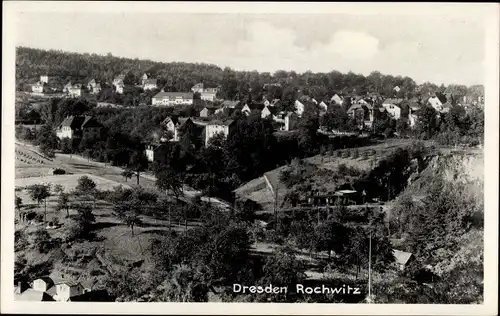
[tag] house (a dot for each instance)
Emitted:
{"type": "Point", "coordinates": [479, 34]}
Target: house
{"type": "Point", "coordinates": [75, 91]}
{"type": "Point", "coordinates": [288, 121]}
{"type": "Point", "coordinates": [230, 104]}
{"type": "Point", "coordinates": [64, 290]}
{"type": "Point", "coordinates": [396, 89]}
{"type": "Point", "coordinates": [299, 107]}
{"type": "Point", "coordinates": [173, 124]}
{"type": "Point", "coordinates": [208, 111]}
{"type": "Point", "coordinates": [91, 84]}
{"type": "Point", "coordinates": [43, 284]}
{"type": "Point", "coordinates": [402, 258]}
{"type": "Point", "coordinates": [207, 94]}
{"type": "Point", "coordinates": [119, 80]}
{"type": "Point", "coordinates": [44, 78]}
{"type": "Point", "coordinates": [197, 88]}
{"type": "Point", "coordinates": [38, 87]}
{"type": "Point", "coordinates": [268, 111]}
{"type": "Point", "coordinates": [252, 107]}
{"type": "Point", "coordinates": [215, 127]}
{"type": "Point", "coordinates": [97, 88]}
{"type": "Point", "coordinates": [413, 109]}
{"type": "Point", "coordinates": [392, 106]}
{"type": "Point", "coordinates": [79, 126]}
{"type": "Point", "coordinates": [119, 87]}
{"type": "Point", "coordinates": [435, 102]}
{"type": "Point", "coordinates": [172, 98]}
{"type": "Point", "coordinates": [46, 289]}
{"type": "Point", "coordinates": [156, 152]}
{"type": "Point", "coordinates": [323, 106]}
{"type": "Point", "coordinates": [445, 108]}
{"type": "Point", "coordinates": [67, 87]}
{"type": "Point", "coordinates": [149, 84]}
{"type": "Point", "coordinates": [31, 295]}
{"type": "Point", "coordinates": [337, 99]}
{"type": "Point", "coordinates": [144, 78]}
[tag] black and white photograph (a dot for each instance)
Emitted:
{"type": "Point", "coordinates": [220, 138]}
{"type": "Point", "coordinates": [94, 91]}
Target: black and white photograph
{"type": "Point", "coordinates": [247, 153]}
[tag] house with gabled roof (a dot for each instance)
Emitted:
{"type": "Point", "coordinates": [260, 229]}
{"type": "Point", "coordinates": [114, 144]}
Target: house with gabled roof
{"type": "Point", "coordinates": [156, 152]}
{"type": "Point", "coordinates": [79, 126]}
{"type": "Point", "coordinates": [268, 111]}
{"type": "Point", "coordinates": [299, 107]}
{"type": "Point", "coordinates": [402, 258]}
{"type": "Point", "coordinates": [337, 99]}
{"type": "Point", "coordinates": [208, 110]}
{"type": "Point", "coordinates": [393, 107]}
{"type": "Point", "coordinates": [214, 127]}
{"type": "Point", "coordinates": [38, 88]}
{"type": "Point", "coordinates": [67, 87]}
{"type": "Point", "coordinates": [435, 102]}
{"type": "Point", "coordinates": [252, 107]}
{"type": "Point", "coordinates": [48, 289]}
{"type": "Point", "coordinates": [149, 84]}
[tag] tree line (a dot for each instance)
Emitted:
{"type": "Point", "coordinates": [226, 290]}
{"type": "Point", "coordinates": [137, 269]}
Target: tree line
{"type": "Point", "coordinates": [234, 85]}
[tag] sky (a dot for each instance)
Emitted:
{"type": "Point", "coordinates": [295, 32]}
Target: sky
{"type": "Point", "coordinates": [438, 47]}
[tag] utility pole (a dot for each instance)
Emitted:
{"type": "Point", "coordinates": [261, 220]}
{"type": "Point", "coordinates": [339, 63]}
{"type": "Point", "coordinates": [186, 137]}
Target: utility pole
{"type": "Point", "coordinates": [370, 268]}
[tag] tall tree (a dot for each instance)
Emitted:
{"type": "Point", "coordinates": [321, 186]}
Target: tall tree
{"type": "Point", "coordinates": [40, 192]}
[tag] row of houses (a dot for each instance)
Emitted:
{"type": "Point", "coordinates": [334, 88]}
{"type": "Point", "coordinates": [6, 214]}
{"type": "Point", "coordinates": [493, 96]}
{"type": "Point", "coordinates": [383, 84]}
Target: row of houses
{"type": "Point", "coordinates": [50, 289]}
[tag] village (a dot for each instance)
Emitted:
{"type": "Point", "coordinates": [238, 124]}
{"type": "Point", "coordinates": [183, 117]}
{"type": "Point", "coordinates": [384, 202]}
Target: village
{"type": "Point", "coordinates": [308, 177]}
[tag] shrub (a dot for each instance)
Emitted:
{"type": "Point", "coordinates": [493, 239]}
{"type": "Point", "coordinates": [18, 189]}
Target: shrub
{"type": "Point", "coordinates": [339, 153]}
{"type": "Point", "coordinates": [59, 171]}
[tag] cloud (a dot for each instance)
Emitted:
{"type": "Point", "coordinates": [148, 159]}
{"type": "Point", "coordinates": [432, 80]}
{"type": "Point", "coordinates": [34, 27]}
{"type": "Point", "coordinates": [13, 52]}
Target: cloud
{"type": "Point", "coordinates": [270, 47]}
{"type": "Point", "coordinates": [353, 45]}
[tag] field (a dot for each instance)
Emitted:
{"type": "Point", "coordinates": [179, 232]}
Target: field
{"type": "Point", "coordinates": [114, 246]}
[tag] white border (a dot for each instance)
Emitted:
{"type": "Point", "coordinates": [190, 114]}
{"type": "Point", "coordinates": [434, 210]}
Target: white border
{"type": "Point", "coordinates": [491, 18]}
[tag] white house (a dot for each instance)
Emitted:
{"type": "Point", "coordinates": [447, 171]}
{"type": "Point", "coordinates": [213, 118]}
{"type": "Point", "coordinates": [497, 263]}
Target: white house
{"type": "Point", "coordinates": [44, 78]}
{"type": "Point", "coordinates": [337, 99]}
{"type": "Point", "coordinates": [78, 126]}
{"type": "Point", "coordinates": [144, 78]}
{"type": "Point", "coordinates": [67, 289]}
{"type": "Point", "coordinates": [268, 111]}
{"type": "Point", "coordinates": [323, 106]}
{"type": "Point", "coordinates": [402, 258]}
{"type": "Point", "coordinates": [266, 102]}
{"type": "Point", "coordinates": [67, 87]}
{"type": "Point", "coordinates": [149, 84]}
{"type": "Point", "coordinates": [299, 107]}
{"type": "Point", "coordinates": [75, 91]}
{"type": "Point", "coordinates": [392, 107]}
{"type": "Point", "coordinates": [435, 103]}
{"type": "Point", "coordinates": [397, 89]}
{"type": "Point", "coordinates": [208, 95]}
{"type": "Point", "coordinates": [119, 87]}
{"type": "Point", "coordinates": [287, 120]}
{"type": "Point", "coordinates": [216, 127]}
{"type": "Point", "coordinates": [42, 284]}
{"type": "Point", "coordinates": [38, 87]}
{"type": "Point", "coordinates": [172, 98]}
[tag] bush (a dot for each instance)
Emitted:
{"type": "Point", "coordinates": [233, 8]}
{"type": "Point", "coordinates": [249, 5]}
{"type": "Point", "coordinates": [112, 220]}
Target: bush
{"type": "Point", "coordinates": [339, 153]}
{"type": "Point", "coordinates": [59, 171]}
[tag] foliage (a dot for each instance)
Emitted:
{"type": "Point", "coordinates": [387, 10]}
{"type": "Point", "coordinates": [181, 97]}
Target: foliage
{"type": "Point", "coordinates": [42, 241]}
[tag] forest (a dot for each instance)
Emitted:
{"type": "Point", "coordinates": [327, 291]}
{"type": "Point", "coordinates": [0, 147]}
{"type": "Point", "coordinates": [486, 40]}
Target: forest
{"type": "Point", "coordinates": [234, 85]}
